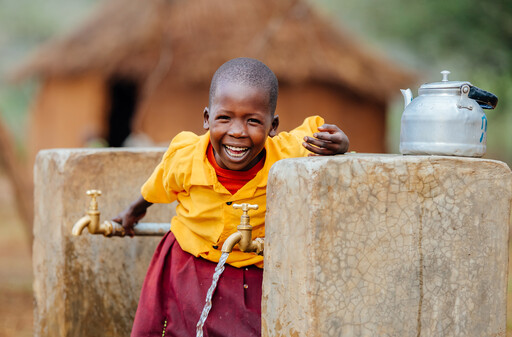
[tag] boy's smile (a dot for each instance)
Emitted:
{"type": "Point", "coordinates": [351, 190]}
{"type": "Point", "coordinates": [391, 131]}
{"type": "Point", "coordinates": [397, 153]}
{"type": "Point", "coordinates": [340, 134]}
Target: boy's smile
{"type": "Point", "coordinates": [239, 120]}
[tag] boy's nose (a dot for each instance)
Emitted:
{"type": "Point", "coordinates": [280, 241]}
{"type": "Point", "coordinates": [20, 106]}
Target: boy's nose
{"type": "Point", "coordinates": [237, 130]}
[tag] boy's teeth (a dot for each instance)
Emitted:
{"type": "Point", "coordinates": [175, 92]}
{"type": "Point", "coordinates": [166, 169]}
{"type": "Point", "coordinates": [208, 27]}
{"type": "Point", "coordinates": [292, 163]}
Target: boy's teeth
{"type": "Point", "coordinates": [234, 148]}
{"type": "Point", "coordinates": [236, 151]}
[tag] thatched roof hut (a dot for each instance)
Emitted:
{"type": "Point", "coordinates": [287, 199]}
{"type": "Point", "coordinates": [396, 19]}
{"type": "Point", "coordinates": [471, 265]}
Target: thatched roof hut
{"type": "Point", "coordinates": [162, 54]}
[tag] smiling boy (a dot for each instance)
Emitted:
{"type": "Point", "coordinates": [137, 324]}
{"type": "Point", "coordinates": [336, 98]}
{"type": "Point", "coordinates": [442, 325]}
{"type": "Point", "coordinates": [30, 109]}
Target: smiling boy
{"type": "Point", "coordinates": [206, 174]}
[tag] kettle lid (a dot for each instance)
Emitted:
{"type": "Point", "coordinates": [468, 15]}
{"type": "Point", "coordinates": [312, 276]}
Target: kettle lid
{"type": "Point", "coordinates": [445, 83]}
{"type": "Point", "coordinates": [485, 99]}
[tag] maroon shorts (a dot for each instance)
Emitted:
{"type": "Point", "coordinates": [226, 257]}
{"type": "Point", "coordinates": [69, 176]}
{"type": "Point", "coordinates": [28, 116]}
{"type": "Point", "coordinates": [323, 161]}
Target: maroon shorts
{"type": "Point", "coordinates": [174, 294]}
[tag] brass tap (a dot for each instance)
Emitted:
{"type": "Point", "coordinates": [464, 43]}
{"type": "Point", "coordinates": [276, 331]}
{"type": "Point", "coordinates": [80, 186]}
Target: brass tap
{"type": "Point", "coordinates": [112, 228]}
{"type": "Point", "coordinates": [244, 234]}
{"type": "Point", "coordinates": [92, 219]}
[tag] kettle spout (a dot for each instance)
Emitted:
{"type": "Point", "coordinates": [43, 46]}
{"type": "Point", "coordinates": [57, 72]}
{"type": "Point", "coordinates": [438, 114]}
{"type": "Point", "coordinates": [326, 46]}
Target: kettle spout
{"type": "Point", "coordinates": [407, 93]}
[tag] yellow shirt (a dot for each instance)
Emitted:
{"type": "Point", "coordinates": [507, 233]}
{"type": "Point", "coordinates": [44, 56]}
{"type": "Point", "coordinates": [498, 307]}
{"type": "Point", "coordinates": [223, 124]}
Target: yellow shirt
{"type": "Point", "coordinates": [204, 215]}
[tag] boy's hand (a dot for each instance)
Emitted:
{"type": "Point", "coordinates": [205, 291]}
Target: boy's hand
{"type": "Point", "coordinates": [131, 215]}
{"type": "Point", "coordinates": [330, 140]}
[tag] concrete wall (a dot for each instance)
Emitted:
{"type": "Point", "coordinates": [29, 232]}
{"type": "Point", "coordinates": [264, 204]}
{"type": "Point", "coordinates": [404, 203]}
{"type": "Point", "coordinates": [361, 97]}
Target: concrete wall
{"type": "Point", "coordinates": [89, 285]}
{"type": "Point", "coordinates": [356, 245]}
{"type": "Point", "coordinates": [386, 245]}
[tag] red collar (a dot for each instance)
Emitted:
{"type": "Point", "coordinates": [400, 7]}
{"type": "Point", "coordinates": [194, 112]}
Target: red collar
{"type": "Point", "coordinates": [233, 180]}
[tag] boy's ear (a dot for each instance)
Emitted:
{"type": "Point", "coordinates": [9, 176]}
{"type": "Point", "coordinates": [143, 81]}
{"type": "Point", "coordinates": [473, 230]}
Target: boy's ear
{"type": "Point", "coordinates": [206, 117]}
{"type": "Point", "coordinates": [273, 128]}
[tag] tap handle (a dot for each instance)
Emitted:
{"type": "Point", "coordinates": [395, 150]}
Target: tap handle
{"type": "Point", "coordinates": [93, 206]}
{"type": "Point", "coordinates": [245, 207]}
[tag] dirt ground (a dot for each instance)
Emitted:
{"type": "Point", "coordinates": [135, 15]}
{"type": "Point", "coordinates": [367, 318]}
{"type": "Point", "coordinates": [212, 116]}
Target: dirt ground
{"type": "Point", "coordinates": [16, 302]}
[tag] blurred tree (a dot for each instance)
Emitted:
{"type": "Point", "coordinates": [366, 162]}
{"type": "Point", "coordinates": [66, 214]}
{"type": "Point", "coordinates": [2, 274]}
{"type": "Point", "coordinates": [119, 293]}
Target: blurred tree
{"type": "Point", "coordinates": [479, 30]}
{"type": "Point", "coordinates": [25, 24]}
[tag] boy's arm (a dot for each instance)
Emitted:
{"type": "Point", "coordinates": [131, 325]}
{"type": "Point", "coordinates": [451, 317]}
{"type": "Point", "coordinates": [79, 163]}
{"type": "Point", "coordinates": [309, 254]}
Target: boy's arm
{"type": "Point", "coordinates": [153, 189]}
{"type": "Point", "coordinates": [132, 214]}
{"type": "Point", "coordinates": [329, 140]}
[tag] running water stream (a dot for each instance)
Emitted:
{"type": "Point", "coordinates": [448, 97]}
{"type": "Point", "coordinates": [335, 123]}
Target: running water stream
{"type": "Point", "coordinates": [208, 305]}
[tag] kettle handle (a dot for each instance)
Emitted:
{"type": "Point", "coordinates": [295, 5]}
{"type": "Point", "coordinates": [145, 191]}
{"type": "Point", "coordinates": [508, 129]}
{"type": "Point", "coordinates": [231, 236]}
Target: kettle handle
{"type": "Point", "coordinates": [485, 99]}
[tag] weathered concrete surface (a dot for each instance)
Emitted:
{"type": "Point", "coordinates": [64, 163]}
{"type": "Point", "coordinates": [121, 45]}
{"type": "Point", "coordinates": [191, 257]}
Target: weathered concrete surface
{"type": "Point", "coordinates": [89, 285]}
{"type": "Point", "coordinates": [386, 245]}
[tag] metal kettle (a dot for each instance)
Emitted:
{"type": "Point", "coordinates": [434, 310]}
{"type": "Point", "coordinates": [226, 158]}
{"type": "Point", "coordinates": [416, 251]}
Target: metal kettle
{"type": "Point", "coordinates": [446, 118]}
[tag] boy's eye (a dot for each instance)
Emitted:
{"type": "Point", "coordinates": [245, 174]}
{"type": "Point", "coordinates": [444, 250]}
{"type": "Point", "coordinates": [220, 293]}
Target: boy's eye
{"type": "Point", "coordinates": [223, 117]}
{"type": "Point", "coordinates": [254, 121]}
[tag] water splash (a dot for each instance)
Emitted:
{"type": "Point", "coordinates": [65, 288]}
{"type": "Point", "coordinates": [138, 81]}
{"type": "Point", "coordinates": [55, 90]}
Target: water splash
{"type": "Point", "coordinates": [208, 305]}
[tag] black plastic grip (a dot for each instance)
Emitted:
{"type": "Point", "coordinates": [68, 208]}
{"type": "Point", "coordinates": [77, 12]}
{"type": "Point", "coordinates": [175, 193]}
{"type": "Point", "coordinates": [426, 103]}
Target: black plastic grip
{"type": "Point", "coordinates": [484, 98]}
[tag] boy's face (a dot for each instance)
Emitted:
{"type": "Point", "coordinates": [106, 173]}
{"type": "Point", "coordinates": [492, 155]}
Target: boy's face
{"type": "Point", "coordinates": [239, 120]}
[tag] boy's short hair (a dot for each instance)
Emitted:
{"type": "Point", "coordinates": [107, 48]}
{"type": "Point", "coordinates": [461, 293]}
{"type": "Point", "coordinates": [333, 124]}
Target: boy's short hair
{"type": "Point", "coordinates": [248, 71]}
